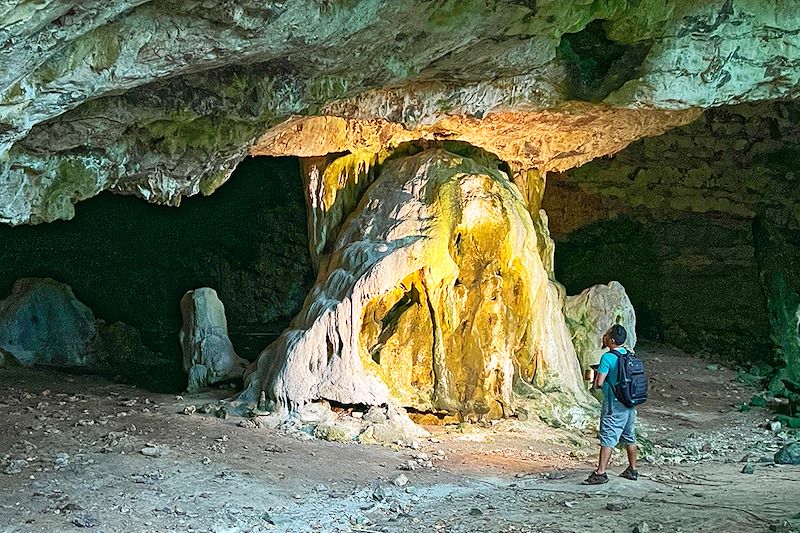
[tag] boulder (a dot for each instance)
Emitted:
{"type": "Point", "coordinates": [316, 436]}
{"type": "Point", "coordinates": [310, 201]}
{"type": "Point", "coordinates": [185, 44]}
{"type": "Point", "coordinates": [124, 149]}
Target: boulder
{"type": "Point", "coordinates": [208, 354]}
{"type": "Point", "coordinates": [41, 322]}
{"type": "Point", "coordinates": [789, 454]}
{"type": "Point", "coordinates": [590, 314]}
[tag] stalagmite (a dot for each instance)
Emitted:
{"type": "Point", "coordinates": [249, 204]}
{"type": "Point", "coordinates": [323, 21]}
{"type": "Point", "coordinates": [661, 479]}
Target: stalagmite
{"type": "Point", "coordinates": [208, 354]}
{"type": "Point", "coordinates": [434, 297]}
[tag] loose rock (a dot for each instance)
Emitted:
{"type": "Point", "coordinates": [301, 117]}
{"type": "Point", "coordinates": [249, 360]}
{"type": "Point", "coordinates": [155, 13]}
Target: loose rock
{"type": "Point", "coordinates": [789, 454]}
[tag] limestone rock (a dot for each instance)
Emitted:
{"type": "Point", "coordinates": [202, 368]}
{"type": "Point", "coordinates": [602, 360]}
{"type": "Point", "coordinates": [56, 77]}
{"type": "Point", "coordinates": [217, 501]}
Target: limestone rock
{"type": "Point", "coordinates": [42, 322]}
{"type": "Point", "coordinates": [162, 99]}
{"type": "Point", "coordinates": [789, 454]}
{"type": "Point", "coordinates": [590, 314]}
{"type": "Point", "coordinates": [208, 354]}
{"type": "Point", "coordinates": [434, 297]}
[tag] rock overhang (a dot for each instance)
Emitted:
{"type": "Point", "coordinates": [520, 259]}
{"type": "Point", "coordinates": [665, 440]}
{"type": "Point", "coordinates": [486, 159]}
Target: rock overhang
{"type": "Point", "coordinates": [162, 100]}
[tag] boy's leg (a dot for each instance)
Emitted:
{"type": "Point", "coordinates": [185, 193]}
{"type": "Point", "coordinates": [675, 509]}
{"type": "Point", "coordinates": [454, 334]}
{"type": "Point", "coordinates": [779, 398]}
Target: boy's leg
{"type": "Point", "coordinates": [632, 449]}
{"type": "Point", "coordinates": [605, 457]}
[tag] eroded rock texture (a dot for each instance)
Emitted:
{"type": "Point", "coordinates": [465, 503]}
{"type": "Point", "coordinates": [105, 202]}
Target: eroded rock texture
{"type": "Point", "coordinates": [434, 296]}
{"type": "Point", "coordinates": [590, 314]}
{"type": "Point", "coordinates": [208, 354]}
{"type": "Point", "coordinates": [162, 99]}
{"type": "Point", "coordinates": [41, 322]}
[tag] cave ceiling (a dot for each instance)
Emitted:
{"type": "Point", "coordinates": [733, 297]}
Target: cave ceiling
{"type": "Point", "coordinates": [162, 99]}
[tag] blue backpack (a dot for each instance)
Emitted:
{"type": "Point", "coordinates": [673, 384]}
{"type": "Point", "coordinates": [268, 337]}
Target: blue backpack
{"type": "Point", "coordinates": [631, 386]}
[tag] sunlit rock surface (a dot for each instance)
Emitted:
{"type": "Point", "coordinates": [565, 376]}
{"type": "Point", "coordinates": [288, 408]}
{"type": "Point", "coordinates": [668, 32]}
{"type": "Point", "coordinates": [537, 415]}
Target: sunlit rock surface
{"type": "Point", "coordinates": [434, 297]}
{"type": "Point", "coordinates": [162, 99]}
{"type": "Point", "coordinates": [590, 314]}
{"type": "Point", "coordinates": [42, 322]}
{"type": "Point", "coordinates": [208, 354]}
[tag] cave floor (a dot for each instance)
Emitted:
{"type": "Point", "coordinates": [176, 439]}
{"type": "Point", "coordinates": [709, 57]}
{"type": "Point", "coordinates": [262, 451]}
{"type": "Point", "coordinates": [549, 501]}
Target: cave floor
{"type": "Point", "coordinates": [72, 457]}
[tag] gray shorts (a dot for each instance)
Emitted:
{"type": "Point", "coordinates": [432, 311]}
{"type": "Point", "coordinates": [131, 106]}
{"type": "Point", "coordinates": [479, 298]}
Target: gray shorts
{"type": "Point", "coordinates": [617, 423]}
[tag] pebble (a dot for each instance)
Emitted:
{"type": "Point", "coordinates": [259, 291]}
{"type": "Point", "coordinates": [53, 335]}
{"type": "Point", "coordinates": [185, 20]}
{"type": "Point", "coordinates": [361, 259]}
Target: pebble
{"type": "Point", "coordinates": [616, 506]}
{"type": "Point", "coordinates": [748, 469]}
{"type": "Point", "coordinates": [409, 465]}
{"type": "Point", "coordinates": [641, 527]}
{"type": "Point", "coordinates": [154, 451]}
{"type": "Point", "coordinates": [85, 520]}
{"type": "Point", "coordinates": [15, 466]}
{"type": "Point", "coordinates": [400, 480]}
{"type": "Point", "coordinates": [61, 460]}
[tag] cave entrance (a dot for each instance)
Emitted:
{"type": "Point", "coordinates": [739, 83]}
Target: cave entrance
{"type": "Point", "coordinates": [131, 261]}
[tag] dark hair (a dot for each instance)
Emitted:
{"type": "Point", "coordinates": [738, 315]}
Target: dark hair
{"type": "Point", "coordinates": [618, 334]}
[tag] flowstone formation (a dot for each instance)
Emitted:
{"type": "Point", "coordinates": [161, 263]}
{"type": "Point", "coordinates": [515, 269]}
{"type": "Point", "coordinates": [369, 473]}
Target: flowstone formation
{"type": "Point", "coordinates": [434, 297]}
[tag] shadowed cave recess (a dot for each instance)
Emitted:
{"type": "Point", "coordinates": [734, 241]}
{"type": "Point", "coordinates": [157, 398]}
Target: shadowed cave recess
{"type": "Point", "coordinates": [131, 262]}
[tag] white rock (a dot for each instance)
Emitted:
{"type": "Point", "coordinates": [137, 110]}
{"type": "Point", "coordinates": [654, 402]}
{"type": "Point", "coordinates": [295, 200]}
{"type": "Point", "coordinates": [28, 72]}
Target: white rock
{"type": "Point", "coordinates": [208, 354]}
{"type": "Point", "coordinates": [400, 480]}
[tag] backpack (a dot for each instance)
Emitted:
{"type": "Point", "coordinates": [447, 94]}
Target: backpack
{"type": "Point", "coordinates": [631, 386]}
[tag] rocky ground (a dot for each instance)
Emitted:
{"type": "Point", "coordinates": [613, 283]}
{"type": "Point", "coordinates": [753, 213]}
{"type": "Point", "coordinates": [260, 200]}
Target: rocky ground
{"type": "Point", "coordinates": [82, 454]}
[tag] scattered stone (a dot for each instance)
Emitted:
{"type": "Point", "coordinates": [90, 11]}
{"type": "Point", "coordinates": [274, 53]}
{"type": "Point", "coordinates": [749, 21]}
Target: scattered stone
{"type": "Point", "coordinates": [475, 512]}
{"type": "Point", "coordinates": [206, 409]}
{"type": "Point", "coordinates": [155, 451]}
{"type": "Point", "coordinates": [415, 445]}
{"type": "Point", "coordinates": [189, 410]}
{"type": "Point", "coordinates": [400, 480]}
{"type": "Point", "coordinates": [332, 433]}
{"type": "Point", "coordinates": [61, 460]}
{"type": "Point", "coordinates": [222, 413]}
{"type": "Point", "coordinates": [15, 466]}
{"type": "Point", "coordinates": [249, 423]}
{"type": "Point", "coordinates": [789, 454]}
{"type": "Point", "coordinates": [379, 494]}
{"type": "Point", "coordinates": [408, 465]}
{"type": "Point", "coordinates": [616, 506]}
{"type": "Point", "coordinates": [775, 426]}
{"type": "Point", "coordinates": [641, 527]}
{"type": "Point", "coordinates": [748, 469]}
{"type": "Point", "coordinates": [85, 520]}
{"type": "Point", "coordinates": [376, 415]}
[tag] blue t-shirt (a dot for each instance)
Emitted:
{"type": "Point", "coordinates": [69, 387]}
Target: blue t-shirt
{"type": "Point", "coordinates": [608, 366]}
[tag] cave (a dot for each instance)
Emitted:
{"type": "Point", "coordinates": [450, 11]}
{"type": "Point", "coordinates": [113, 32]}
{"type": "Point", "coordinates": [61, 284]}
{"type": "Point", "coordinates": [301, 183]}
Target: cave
{"type": "Point", "coordinates": [131, 262]}
{"type": "Point", "coordinates": [375, 266]}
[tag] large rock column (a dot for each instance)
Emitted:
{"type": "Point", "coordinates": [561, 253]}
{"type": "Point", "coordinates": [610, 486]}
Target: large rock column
{"type": "Point", "coordinates": [208, 354]}
{"type": "Point", "coordinates": [434, 297]}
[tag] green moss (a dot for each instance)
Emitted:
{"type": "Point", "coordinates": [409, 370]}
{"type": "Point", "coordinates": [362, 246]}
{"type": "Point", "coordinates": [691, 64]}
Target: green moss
{"type": "Point", "coordinates": [640, 20]}
{"type": "Point", "coordinates": [99, 49]}
{"type": "Point", "coordinates": [11, 94]}
{"type": "Point", "coordinates": [331, 433]}
{"type": "Point", "coordinates": [72, 181]}
{"type": "Point", "coordinates": [184, 130]}
{"type": "Point", "coordinates": [210, 183]}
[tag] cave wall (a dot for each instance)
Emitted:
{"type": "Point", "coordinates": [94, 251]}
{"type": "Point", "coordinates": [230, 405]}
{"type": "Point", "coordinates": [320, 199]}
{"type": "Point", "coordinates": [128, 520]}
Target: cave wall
{"type": "Point", "coordinates": [673, 217]}
{"type": "Point", "coordinates": [131, 261]}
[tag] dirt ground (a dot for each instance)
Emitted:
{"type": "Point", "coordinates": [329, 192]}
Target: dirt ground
{"type": "Point", "coordinates": [82, 454]}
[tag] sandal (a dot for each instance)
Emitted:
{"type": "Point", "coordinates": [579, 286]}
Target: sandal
{"type": "Point", "coordinates": [596, 479]}
{"type": "Point", "coordinates": [630, 473]}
